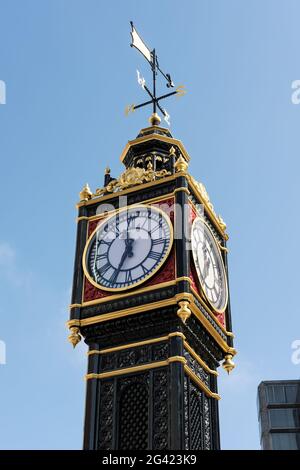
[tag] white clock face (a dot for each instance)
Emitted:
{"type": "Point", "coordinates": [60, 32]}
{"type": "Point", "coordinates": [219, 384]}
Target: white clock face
{"type": "Point", "coordinates": [128, 248]}
{"type": "Point", "coordinates": [209, 265]}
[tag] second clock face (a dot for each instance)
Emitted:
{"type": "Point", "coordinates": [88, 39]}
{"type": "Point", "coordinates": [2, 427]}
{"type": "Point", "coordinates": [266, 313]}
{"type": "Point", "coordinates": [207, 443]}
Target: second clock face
{"type": "Point", "coordinates": [128, 248]}
{"type": "Point", "coordinates": [209, 265]}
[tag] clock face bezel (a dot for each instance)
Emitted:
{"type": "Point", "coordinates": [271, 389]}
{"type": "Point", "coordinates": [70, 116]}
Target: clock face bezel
{"type": "Point", "coordinates": [147, 276]}
{"type": "Point", "coordinates": [220, 261]}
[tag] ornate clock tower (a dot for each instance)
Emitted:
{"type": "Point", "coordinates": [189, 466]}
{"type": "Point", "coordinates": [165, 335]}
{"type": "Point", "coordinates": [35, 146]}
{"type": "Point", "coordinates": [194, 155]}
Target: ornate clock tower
{"type": "Point", "coordinates": [150, 297]}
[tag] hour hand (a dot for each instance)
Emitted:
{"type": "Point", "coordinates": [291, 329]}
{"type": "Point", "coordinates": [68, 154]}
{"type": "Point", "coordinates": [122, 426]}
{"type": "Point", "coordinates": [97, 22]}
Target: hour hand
{"type": "Point", "coordinates": [128, 244]}
{"type": "Point", "coordinates": [127, 252]}
{"type": "Point", "coordinates": [206, 267]}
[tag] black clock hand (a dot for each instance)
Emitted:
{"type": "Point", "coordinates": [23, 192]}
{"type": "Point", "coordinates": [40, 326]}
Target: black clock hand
{"type": "Point", "coordinates": [116, 272]}
{"type": "Point", "coordinates": [205, 270]}
{"type": "Point", "coordinates": [124, 256]}
{"type": "Point", "coordinates": [206, 267]}
{"type": "Point", "coordinates": [129, 243]}
{"type": "Point", "coordinates": [127, 252]}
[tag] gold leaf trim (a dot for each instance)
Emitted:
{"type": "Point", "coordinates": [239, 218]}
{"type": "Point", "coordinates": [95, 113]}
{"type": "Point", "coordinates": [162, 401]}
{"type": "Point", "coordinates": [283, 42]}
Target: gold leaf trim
{"type": "Point", "coordinates": [132, 177]}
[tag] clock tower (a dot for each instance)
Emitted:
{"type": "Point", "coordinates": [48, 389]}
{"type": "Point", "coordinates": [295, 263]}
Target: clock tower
{"type": "Point", "coordinates": [150, 299]}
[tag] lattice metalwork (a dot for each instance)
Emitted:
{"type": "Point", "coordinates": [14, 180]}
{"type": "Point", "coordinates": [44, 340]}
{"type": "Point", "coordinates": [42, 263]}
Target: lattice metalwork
{"type": "Point", "coordinates": [133, 429]}
{"type": "Point", "coordinates": [106, 416]}
{"type": "Point", "coordinates": [186, 414]}
{"type": "Point", "coordinates": [196, 420]}
{"type": "Point", "coordinates": [160, 410]}
{"type": "Point", "coordinates": [207, 423]}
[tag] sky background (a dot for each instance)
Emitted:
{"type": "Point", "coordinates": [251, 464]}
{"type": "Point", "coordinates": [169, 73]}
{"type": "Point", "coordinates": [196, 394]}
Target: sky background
{"type": "Point", "coordinates": [69, 73]}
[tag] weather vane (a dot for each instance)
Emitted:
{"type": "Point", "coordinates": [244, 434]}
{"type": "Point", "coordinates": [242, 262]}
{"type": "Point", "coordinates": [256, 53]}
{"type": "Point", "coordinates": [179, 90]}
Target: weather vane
{"type": "Point", "coordinates": [154, 100]}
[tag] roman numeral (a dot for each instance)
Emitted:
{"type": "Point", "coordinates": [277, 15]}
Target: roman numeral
{"type": "Point", "coordinates": [157, 241]}
{"type": "Point", "coordinates": [154, 255]}
{"type": "Point", "coordinates": [145, 270]}
{"type": "Point", "coordinates": [128, 277]}
{"type": "Point", "coordinates": [143, 224]}
{"type": "Point", "coordinates": [117, 231]}
{"type": "Point", "coordinates": [215, 294]}
{"type": "Point", "coordinates": [104, 242]}
{"type": "Point", "coordinates": [154, 229]}
{"type": "Point", "coordinates": [132, 218]}
{"type": "Point", "coordinates": [102, 270]}
{"type": "Point", "coordinates": [100, 256]}
{"type": "Point", "coordinates": [114, 277]}
{"type": "Point", "coordinates": [196, 236]}
{"type": "Point", "coordinates": [212, 293]}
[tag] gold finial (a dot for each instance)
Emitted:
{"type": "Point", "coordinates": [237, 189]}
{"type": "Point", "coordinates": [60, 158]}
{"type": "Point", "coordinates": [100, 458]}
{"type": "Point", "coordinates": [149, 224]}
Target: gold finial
{"type": "Point", "coordinates": [172, 152]}
{"type": "Point", "coordinates": [181, 165]}
{"type": "Point", "coordinates": [107, 170]}
{"type": "Point", "coordinates": [86, 193]}
{"type": "Point", "coordinates": [154, 119]}
{"type": "Point", "coordinates": [228, 363]}
{"type": "Point", "coordinates": [149, 166]}
{"type": "Point", "coordinates": [74, 338]}
{"type": "Point", "coordinates": [184, 312]}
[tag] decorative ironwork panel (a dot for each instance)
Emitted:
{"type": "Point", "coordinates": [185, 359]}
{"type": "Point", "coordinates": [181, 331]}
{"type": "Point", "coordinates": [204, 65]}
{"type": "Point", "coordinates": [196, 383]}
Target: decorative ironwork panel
{"type": "Point", "coordinates": [133, 411]}
{"type": "Point", "coordinates": [105, 440]}
{"type": "Point", "coordinates": [196, 419]}
{"type": "Point", "coordinates": [160, 352]}
{"type": "Point", "coordinates": [135, 356]}
{"type": "Point", "coordinates": [186, 413]}
{"type": "Point", "coordinates": [160, 410]}
{"type": "Point", "coordinates": [196, 368]}
{"type": "Point", "coordinates": [207, 423]}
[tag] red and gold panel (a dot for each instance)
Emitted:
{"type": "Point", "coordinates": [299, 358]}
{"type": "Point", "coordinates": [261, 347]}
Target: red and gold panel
{"type": "Point", "coordinates": [165, 274]}
{"type": "Point", "coordinates": [221, 317]}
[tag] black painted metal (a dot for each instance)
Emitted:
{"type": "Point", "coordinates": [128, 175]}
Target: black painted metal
{"type": "Point", "coordinates": [171, 398]}
{"type": "Point", "coordinates": [182, 231]}
{"type": "Point", "coordinates": [228, 310]}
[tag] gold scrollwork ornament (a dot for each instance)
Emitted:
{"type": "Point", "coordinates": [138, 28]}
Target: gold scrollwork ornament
{"type": "Point", "coordinates": [132, 177]}
{"type": "Point", "coordinates": [204, 194]}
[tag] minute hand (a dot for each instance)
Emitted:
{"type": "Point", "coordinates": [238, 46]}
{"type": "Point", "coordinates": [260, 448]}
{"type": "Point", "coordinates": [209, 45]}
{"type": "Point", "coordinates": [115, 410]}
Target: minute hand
{"type": "Point", "coordinates": [116, 272]}
{"type": "Point", "coordinates": [124, 256]}
{"type": "Point", "coordinates": [127, 252]}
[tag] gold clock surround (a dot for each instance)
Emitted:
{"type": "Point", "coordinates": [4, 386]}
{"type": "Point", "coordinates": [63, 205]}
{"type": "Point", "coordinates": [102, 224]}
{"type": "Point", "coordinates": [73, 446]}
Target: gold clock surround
{"type": "Point", "coordinates": [223, 268]}
{"type": "Point", "coordinates": [147, 277]}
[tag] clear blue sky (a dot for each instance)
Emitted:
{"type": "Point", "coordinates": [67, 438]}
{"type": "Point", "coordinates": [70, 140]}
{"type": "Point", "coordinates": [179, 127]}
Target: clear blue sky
{"type": "Point", "coordinates": [69, 73]}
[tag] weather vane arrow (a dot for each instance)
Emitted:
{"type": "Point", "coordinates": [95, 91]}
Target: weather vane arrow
{"type": "Point", "coordinates": [154, 100]}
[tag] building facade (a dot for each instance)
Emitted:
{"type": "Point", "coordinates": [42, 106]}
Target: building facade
{"type": "Point", "coordinates": [279, 414]}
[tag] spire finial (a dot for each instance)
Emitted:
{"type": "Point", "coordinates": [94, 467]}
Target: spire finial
{"type": "Point", "coordinates": [86, 193]}
{"type": "Point", "coordinates": [154, 119]}
{"type": "Point", "coordinates": [181, 165]}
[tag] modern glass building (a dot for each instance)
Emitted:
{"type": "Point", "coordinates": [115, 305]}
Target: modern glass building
{"type": "Point", "coordinates": [278, 405]}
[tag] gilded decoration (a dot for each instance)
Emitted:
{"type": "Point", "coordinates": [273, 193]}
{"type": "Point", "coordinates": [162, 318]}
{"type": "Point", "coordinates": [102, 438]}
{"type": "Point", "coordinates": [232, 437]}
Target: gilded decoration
{"type": "Point", "coordinates": [204, 194]}
{"type": "Point", "coordinates": [132, 177]}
